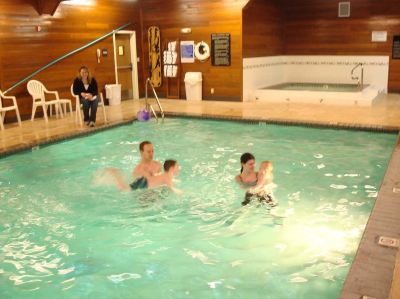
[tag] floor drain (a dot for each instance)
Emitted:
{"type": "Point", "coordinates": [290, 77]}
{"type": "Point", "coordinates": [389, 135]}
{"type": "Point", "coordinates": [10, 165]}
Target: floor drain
{"type": "Point", "coordinates": [389, 242]}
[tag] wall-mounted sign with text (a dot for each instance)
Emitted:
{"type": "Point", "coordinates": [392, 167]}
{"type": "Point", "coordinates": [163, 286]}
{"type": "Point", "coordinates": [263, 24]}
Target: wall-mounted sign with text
{"type": "Point", "coordinates": [187, 51]}
{"type": "Point", "coordinates": [221, 49]}
{"type": "Point", "coordinates": [379, 36]}
{"type": "Point", "coordinates": [396, 47]}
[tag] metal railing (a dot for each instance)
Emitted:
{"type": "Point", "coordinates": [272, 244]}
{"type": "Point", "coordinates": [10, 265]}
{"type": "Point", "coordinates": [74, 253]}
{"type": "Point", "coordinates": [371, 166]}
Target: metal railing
{"type": "Point", "coordinates": [360, 81]}
{"type": "Point", "coordinates": [65, 56]}
{"type": "Point", "coordinates": [148, 105]}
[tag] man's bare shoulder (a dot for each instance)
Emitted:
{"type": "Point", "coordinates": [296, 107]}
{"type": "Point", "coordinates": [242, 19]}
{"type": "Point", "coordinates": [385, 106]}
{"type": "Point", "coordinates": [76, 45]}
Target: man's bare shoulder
{"type": "Point", "coordinates": [155, 162]}
{"type": "Point", "coordinates": [157, 165]}
{"type": "Point", "coordinates": [138, 170]}
{"type": "Point", "coordinates": [138, 167]}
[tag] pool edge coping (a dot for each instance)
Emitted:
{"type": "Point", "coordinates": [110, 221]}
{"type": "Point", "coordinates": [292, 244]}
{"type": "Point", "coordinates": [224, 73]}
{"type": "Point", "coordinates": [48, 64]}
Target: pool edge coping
{"type": "Point", "coordinates": [290, 122]}
{"type": "Point", "coordinates": [23, 147]}
{"type": "Point", "coordinates": [316, 124]}
{"type": "Point", "coordinates": [377, 261]}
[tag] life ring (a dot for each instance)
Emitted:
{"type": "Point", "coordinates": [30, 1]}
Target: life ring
{"type": "Point", "coordinates": [202, 51]}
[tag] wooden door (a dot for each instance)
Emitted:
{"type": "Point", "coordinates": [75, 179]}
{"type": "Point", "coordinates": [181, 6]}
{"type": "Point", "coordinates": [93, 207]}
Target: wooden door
{"type": "Point", "coordinates": [124, 65]}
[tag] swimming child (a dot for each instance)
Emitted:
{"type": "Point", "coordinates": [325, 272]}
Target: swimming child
{"type": "Point", "coordinates": [264, 176]}
{"type": "Point", "coordinates": [262, 191]}
{"type": "Point", "coordinates": [171, 169]}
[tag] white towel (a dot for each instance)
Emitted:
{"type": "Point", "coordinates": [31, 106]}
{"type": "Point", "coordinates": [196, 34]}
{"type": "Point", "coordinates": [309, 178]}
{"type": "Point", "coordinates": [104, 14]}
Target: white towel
{"type": "Point", "coordinates": [170, 71]}
{"type": "Point", "coordinates": [174, 70]}
{"type": "Point", "coordinates": [165, 57]}
{"type": "Point", "coordinates": [172, 46]}
{"type": "Point", "coordinates": [174, 57]}
{"type": "Point", "coordinates": [170, 57]}
{"type": "Point", "coordinates": [165, 70]}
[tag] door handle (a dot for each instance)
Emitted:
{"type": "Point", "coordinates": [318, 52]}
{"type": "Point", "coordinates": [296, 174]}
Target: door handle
{"type": "Point", "coordinates": [125, 67]}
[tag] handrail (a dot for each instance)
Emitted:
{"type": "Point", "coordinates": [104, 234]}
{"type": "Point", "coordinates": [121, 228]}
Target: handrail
{"type": "Point", "coordinates": [154, 113]}
{"type": "Point", "coordinates": [148, 106]}
{"type": "Point", "coordinates": [360, 83]}
{"type": "Point", "coordinates": [65, 56]}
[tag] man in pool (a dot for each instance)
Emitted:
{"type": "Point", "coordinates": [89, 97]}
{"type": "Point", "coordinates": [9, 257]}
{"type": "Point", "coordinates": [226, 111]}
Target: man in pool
{"type": "Point", "coordinates": [147, 167]}
{"type": "Point", "coordinates": [171, 169]}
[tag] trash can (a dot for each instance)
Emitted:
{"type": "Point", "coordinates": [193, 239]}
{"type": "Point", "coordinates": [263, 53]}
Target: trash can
{"type": "Point", "coordinates": [193, 85]}
{"type": "Point", "coordinates": [113, 94]}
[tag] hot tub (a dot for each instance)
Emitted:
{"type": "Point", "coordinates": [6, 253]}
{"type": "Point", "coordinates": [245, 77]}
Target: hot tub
{"type": "Point", "coordinates": [318, 93]}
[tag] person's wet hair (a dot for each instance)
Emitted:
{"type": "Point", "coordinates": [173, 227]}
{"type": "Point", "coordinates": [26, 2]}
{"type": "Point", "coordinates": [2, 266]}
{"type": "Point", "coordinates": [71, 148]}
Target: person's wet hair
{"type": "Point", "coordinates": [245, 158]}
{"type": "Point", "coordinates": [142, 144]}
{"type": "Point", "coordinates": [168, 164]}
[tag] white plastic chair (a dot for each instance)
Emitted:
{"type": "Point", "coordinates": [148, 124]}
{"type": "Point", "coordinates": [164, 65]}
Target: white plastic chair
{"type": "Point", "coordinates": [38, 92]}
{"type": "Point", "coordinates": [79, 107]}
{"type": "Point", "coordinates": [3, 109]}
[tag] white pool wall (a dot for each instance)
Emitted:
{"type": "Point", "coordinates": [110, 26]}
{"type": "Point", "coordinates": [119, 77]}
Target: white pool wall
{"type": "Point", "coordinates": [262, 72]}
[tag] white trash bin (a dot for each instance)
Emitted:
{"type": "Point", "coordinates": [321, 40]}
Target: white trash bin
{"type": "Point", "coordinates": [193, 86]}
{"type": "Point", "coordinates": [113, 94]}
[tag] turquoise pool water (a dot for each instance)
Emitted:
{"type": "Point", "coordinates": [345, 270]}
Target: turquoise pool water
{"type": "Point", "coordinates": [62, 236]}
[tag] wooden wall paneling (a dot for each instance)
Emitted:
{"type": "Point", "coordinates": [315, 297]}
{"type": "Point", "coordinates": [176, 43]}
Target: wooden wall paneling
{"type": "Point", "coordinates": [262, 29]}
{"type": "Point", "coordinates": [204, 18]}
{"type": "Point", "coordinates": [311, 27]}
{"type": "Point", "coordinates": [25, 50]}
{"type": "Point", "coordinates": [394, 75]}
{"type": "Point", "coordinates": [308, 27]}
{"type": "Point", "coordinates": [1, 74]}
{"type": "Point", "coordinates": [47, 6]}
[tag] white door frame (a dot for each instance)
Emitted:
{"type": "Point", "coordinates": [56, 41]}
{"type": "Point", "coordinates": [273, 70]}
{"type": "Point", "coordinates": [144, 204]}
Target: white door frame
{"type": "Point", "coordinates": [135, 84]}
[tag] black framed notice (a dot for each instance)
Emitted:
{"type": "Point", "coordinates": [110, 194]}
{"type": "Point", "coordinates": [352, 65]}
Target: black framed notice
{"type": "Point", "coordinates": [396, 47]}
{"type": "Point", "coordinates": [221, 49]}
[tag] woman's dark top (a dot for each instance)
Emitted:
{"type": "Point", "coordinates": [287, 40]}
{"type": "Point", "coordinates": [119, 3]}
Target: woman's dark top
{"type": "Point", "coordinates": [79, 87]}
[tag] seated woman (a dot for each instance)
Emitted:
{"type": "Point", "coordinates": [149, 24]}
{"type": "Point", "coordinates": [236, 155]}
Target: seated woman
{"type": "Point", "coordinates": [85, 86]}
{"type": "Point", "coordinates": [256, 183]}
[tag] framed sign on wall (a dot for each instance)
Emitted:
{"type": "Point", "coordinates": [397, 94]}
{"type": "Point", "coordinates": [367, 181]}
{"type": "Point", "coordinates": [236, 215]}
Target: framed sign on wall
{"type": "Point", "coordinates": [221, 49]}
{"type": "Point", "coordinates": [396, 47]}
{"type": "Point", "coordinates": [187, 51]}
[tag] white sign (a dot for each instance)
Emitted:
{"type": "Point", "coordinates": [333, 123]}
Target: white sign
{"type": "Point", "coordinates": [379, 36]}
{"type": "Point", "coordinates": [187, 51]}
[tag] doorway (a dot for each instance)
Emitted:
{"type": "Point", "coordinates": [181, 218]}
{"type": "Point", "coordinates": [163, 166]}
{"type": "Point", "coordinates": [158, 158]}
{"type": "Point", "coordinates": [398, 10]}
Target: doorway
{"type": "Point", "coordinates": [125, 61]}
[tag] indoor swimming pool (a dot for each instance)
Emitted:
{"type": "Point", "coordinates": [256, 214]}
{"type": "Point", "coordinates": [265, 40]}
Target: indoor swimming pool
{"type": "Point", "coordinates": [64, 235]}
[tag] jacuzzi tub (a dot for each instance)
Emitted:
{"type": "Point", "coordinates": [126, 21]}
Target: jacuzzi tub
{"type": "Point", "coordinates": [318, 93]}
